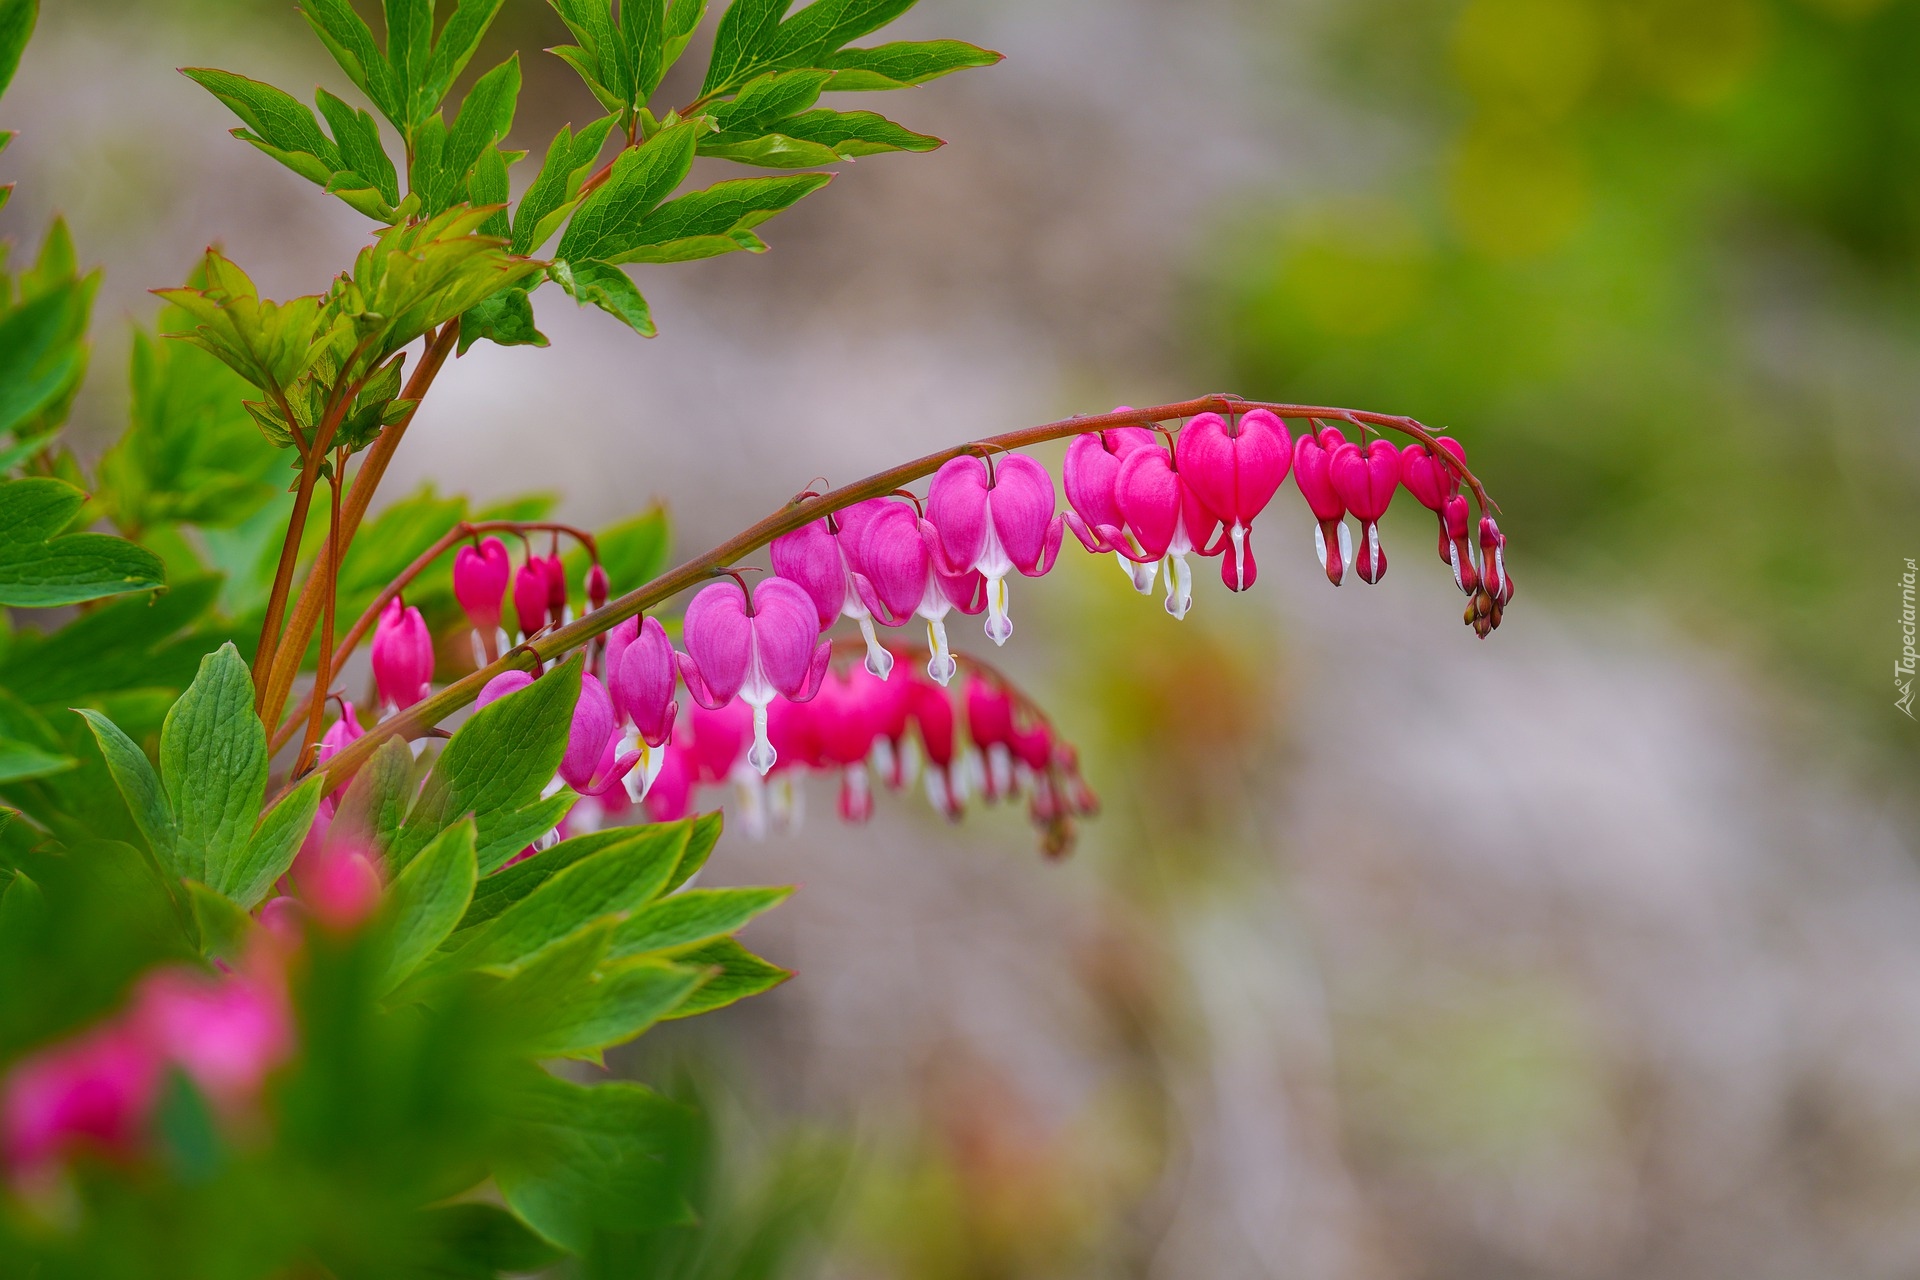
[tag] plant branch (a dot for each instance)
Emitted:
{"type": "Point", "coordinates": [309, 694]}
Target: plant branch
{"type": "Point", "coordinates": [323, 678]}
{"type": "Point", "coordinates": [423, 715]}
{"type": "Point", "coordinates": [373, 466]}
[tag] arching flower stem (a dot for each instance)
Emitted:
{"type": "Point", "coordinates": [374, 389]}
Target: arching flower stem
{"type": "Point", "coordinates": [430, 711]}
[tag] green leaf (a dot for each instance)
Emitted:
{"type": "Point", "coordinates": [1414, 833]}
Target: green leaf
{"type": "Point", "coordinates": [146, 797]}
{"type": "Point", "coordinates": [505, 319]}
{"type": "Point", "coordinates": [700, 844]}
{"type": "Point", "coordinates": [551, 197]}
{"type": "Point", "coordinates": [739, 974]}
{"type": "Point", "coordinates": [269, 344]}
{"type": "Point", "coordinates": [642, 177]}
{"type": "Point", "coordinates": [643, 34]}
{"type": "Point", "coordinates": [606, 1157]}
{"type": "Point", "coordinates": [135, 643]}
{"type": "Point", "coordinates": [507, 886]}
{"type": "Point", "coordinates": [572, 1015]}
{"type": "Point", "coordinates": [426, 902]}
{"type": "Point", "coordinates": [609, 288]}
{"type": "Point", "coordinates": [855, 133]}
{"type": "Point", "coordinates": [773, 96]}
{"type": "Point", "coordinates": [350, 41]}
{"type": "Point", "coordinates": [695, 223]}
{"type": "Point", "coordinates": [485, 116]}
{"type": "Point", "coordinates": [358, 138]}
{"type": "Point", "coordinates": [903, 63]}
{"type": "Point", "coordinates": [480, 1241]}
{"type": "Point", "coordinates": [459, 41]}
{"type": "Point", "coordinates": [16, 24]}
{"type": "Point", "coordinates": [768, 151]}
{"type": "Point", "coordinates": [39, 567]}
{"type": "Point", "coordinates": [213, 760]}
{"type": "Point", "coordinates": [43, 346]}
{"type": "Point", "coordinates": [276, 122]}
{"type": "Point", "coordinates": [503, 835]}
{"type": "Point", "coordinates": [409, 52]}
{"type": "Point", "coordinates": [224, 924]}
{"type": "Point", "coordinates": [691, 916]}
{"type": "Point", "coordinates": [376, 800]}
{"type": "Point", "coordinates": [415, 277]}
{"type": "Point", "coordinates": [271, 850]}
{"type": "Point", "coordinates": [616, 879]}
{"type": "Point", "coordinates": [490, 185]}
{"type": "Point", "coordinates": [498, 762]}
{"type": "Point", "coordinates": [20, 761]}
{"type": "Point", "coordinates": [632, 552]}
{"type": "Point", "coordinates": [746, 31]}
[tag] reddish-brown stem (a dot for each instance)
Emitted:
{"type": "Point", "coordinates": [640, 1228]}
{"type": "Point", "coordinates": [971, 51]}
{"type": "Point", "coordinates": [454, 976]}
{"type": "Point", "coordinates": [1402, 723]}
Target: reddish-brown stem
{"type": "Point", "coordinates": [371, 614]}
{"type": "Point", "coordinates": [323, 677]}
{"type": "Point", "coordinates": [292, 648]}
{"type": "Point", "coordinates": [430, 711]}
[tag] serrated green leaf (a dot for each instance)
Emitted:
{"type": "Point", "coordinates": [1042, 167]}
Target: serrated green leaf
{"type": "Point", "coordinates": [498, 762]}
{"type": "Point", "coordinates": [459, 40]}
{"type": "Point", "coordinates": [739, 974]}
{"type": "Point", "coordinates": [40, 567]}
{"type": "Point", "coordinates": [616, 879]}
{"type": "Point", "coordinates": [426, 902]}
{"type": "Point", "coordinates": [747, 29]}
{"type": "Point", "coordinates": [690, 917]}
{"type": "Point", "coordinates": [694, 225]}
{"type": "Point", "coordinates": [213, 762]}
{"type": "Point", "coordinates": [416, 277]}
{"type": "Point", "coordinates": [357, 136]}
{"type": "Point", "coordinates": [146, 796]}
{"type": "Point", "coordinates": [642, 177]}
{"type": "Point", "coordinates": [552, 195]}
{"type": "Point", "coordinates": [903, 64]}
{"type": "Point", "coordinates": [351, 43]}
{"type": "Point", "coordinates": [587, 1159]}
{"type": "Point", "coordinates": [271, 850]}
{"type": "Point", "coordinates": [609, 288]}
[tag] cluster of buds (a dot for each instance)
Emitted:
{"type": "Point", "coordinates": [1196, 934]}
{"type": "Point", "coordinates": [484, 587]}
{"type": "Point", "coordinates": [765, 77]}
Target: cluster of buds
{"type": "Point", "coordinates": [97, 1092]}
{"type": "Point", "coordinates": [756, 661]}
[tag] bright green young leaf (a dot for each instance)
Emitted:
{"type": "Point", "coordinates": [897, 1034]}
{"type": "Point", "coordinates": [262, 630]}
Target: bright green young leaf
{"type": "Point", "coordinates": [351, 43]}
{"type": "Point", "coordinates": [903, 64]}
{"type": "Point", "coordinates": [690, 917]}
{"type": "Point", "coordinates": [358, 137]}
{"type": "Point", "coordinates": [700, 844]}
{"type": "Point", "coordinates": [504, 834]}
{"type": "Point", "coordinates": [416, 277]}
{"type": "Point", "coordinates": [43, 349]}
{"type": "Point", "coordinates": [704, 223]}
{"type": "Point", "coordinates": [459, 40]}
{"type": "Point", "coordinates": [146, 797]}
{"type": "Point", "coordinates": [213, 761]}
{"type": "Point", "coordinates": [734, 974]}
{"type": "Point", "coordinates": [551, 197]}
{"type": "Point", "coordinates": [16, 25]}
{"type": "Point", "coordinates": [427, 901]}
{"type": "Point", "coordinates": [485, 116]}
{"type": "Point", "coordinates": [642, 177]}
{"type": "Point", "coordinates": [40, 567]}
{"type": "Point", "coordinates": [498, 762]}
{"type": "Point", "coordinates": [601, 1158]}
{"type": "Point", "coordinates": [269, 344]}
{"type": "Point", "coordinates": [271, 850]}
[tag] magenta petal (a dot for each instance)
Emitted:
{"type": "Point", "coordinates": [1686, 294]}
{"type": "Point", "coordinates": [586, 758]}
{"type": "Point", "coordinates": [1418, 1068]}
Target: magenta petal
{"type": "Point", "coordinates": [1235, 476]}
{"type": "Point", "coordinates": [1088, 475]}
{"type": "Point", "coordinates": [1310, 463]}
{"type": "Point", "coordinates": [622, 635]}
{"type": "Point", "coordinates": [643, 683]}
{"type": "Point", "coordinates": [719, 637]}
{"type": "Point", "coordinates": [590, 734]}
{"type": "Point", "coordinates": [480, 582]}
{"type": "Point", "coordinates": [893, 557]}
{"type": "Point", "coordinates": [785, 629]}
{"type": "Point", "coordinates": [957, 509]}
{"type": "Point", "coordinates": [530, 596]}
{"type": "Point", "coordinates": [809, 557]}
{"type": "Point", "coordinates": [1148, 494]}
{"type": "Point", "coordinates": [500, 686]}
{"type": "Point", "coordinates": [1022, 505]}
{"type": "Point", "coordinates": [1365, 479]}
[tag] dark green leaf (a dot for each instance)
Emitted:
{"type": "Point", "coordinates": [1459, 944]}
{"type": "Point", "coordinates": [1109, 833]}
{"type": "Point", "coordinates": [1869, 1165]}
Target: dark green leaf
{"type": "Point", "coordinates": [642, 177]}
{"type": "Point", "coordinates": [39, 567]}
{"type": "Point", "coordinates": [551, 197]}
{"type": "Point", "coordinates": [746, 31]}
{"type": "Point", "coordinates": [579, 1016]}
{"type": "Point", "coordinates": [224, 924]}
{"type": "Point", "coordinates": [409, 52]}
{"type": "Point", "coordinates": [42, 350]}
{"type": "Point", "coordinates": [605, 1157]}
{"type": "Point", "coordinates": [481, 1241]}
{"type": "Point", "coordinates": [485, 116]}
{"type": "Point", "coordinates": [213, 761]}
{"type": "Point", "coordinates": [609, 288]}
{"type": "Point", "coordinates": [740, 974]}
{"type": "Point", "coordinates": [505, 835]}
{"type": "Point", "coordinates": [855, 133]}
{"type": "Point", "coordinates": [691, 916]}
{"type": "Point", "coordinates": [704, 223]}
{"type": "Point", "coordinates": [146, 797]}
{"type": "Point", "coordinates": [127, 644]}
{"type": "Point", "coordinates": [358, 138]}
{"type": "Point", "coordinates": [16, 24]}
{"type": "Point", "coordinates": [276, 122]}
{"type": "Point", "coordinates": [903, 63]}
{"type": "Point", "coordinates": [270, 852]}
{"type": "Point", "coordinates": [770, 97]}
{"type": "Point", "coordinates": [505, 319]}
{"type": "Point", "coordinates": [643, 33]}
{"type": "Point", "coordinates": [351, 43]}
{"type": "Point", "coordinates": [427, 900]}
{"type": "Point", "coordinates": [459, 40]}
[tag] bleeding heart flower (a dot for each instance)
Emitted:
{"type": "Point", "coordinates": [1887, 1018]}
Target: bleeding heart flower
{"type": "Point", "coordinates": [990, 725]}
{"type": "Point", "coordinates": [1431, 482]}
{"type": "Point", "coordinates": [1312, 458]}
{"type": "Point", "coordinates": [1165, 516]}
{"type": "Point", "coordinates": [822, 559]}
{"type": "Point", "coordinates": [993, 521]}
{"type": "Point", "coordinates": [226, 1033]}
{"type": "Point", "coordinates": [755, 647]}
{"type": "Point", "coordinates": [1366, 481]}
{"type": "Point", "coordinates": [888, 705]}
{"type": "Point", "coordinates": [902, 579]}
{"type": "Point", "coordinates": [640, 676]}
{"type": "Point", "coordinates": [340, 885]}
{"type": "Point", "coordinates": [671, 795]}
{"type": "Point", "coordinates": [1089, 475]}
{"type": "Point", "coordinates": [480, 577]}
{"type": "Point", "coordinates": [530, 596]}
{"type": "Point", "coordinates": [340, 733]}
{"type": "Point", "coordinates": [1459, 550]}
{"type": "Point", "coordinates": [500, 686]}
{"type": "Point", "coordinates": [591, 764]}
{"type": "Point", "coordinates": [933, 713]}
{"type": "Point", "coordinates": [1235, 471]}
{"type": "Point", "coordinates": [402, 656]}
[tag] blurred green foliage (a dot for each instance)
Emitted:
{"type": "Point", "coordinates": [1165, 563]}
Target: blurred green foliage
{"type": "Point", "coordinates": [1656, 263]}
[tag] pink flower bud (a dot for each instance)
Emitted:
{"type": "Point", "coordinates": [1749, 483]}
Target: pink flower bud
{"type": "Point", "coordinates": [1366, 480]}
{"type": "Point", "coordinates": [500, 686]}
{"type": "Point", "coordinates": [994, 522]}
{"type": "Point", "coordinates": [1235, 474]}
{"type": "Point", "coordinates": [340, 733]}
{"type": "Point", "coordinates": [227, 1033]}
{"type": "Point", "coordinates": [340, 885]}
{"type": "Point", "coordinates": [641, 677]}
{"type": "Point", "coordinates": [480, 583]}
{"type": "Point", "coordinates": [402, 656]}
{"type": "Point", "coordinates": [93, 1092]}
{"type": "Point", "coordinates": [756, 650]}
{"type": "Point", "coordinates": [1493, 563]}
{"type": "Point", "coordinates": [530, 596]}
{"type": "Point", "coordinates": [1459, 552]}
{"type": "Point", "coordinates": [556, 590]}
{"type": "Point", "coordinates": [598, 587]}
{"type": "Point", "coordinates": [1166, 517]}
{"type": "Point", "coordinates": [1312, 457]}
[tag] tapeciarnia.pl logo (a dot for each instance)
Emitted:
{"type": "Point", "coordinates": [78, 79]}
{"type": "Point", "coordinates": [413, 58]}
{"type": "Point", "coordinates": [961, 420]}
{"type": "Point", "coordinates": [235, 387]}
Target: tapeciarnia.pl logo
{"type": "Point", "coordinates": [1903, 666]}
